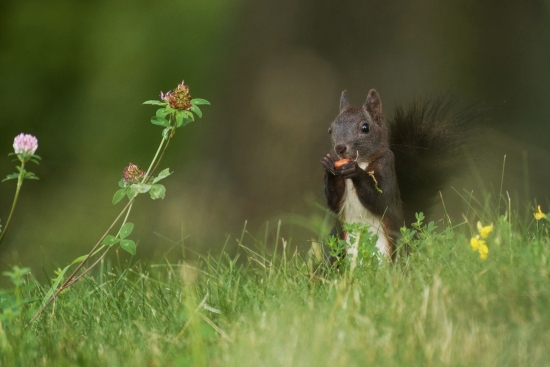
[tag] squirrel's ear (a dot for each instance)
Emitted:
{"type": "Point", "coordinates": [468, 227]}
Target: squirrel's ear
{"type": "Point", "coordinates": [344, 103]}
{"type": "Point", "coordinates": [373, 105]}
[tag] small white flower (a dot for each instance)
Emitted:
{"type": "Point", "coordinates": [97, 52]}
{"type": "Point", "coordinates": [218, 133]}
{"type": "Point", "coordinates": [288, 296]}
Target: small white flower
{"type": "Point", "coordinates": [25, 144]}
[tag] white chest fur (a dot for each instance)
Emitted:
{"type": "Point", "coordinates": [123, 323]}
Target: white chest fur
{"type": "Point", "coordinates": [354, 212]}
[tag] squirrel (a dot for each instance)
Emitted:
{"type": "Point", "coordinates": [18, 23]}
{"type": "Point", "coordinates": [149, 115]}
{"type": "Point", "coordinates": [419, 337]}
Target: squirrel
{"type": "Point", "coordinates": [391, 170]}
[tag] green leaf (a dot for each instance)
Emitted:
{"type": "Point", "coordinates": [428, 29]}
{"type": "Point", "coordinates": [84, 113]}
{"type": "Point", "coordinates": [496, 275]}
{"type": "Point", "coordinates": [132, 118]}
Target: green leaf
{"type": "Point", "coordinates": [126, 229]}
{"type": "Point", "coordinates": [196, 110]}
{"type": "Point", "coordinates": [130, 192]}
{"type": "Point", "coordinates": [30, 176]}
{"type": "Point", "coordinates": [170, 110]}
{"type": "Point", "coordinates": [198, 101]}
{"type": "Point", "coordinates": [179, 118]}
{"type": "Point", "coordinates": [161, 112]}
{"type": "Point", "coordinates": [156, 103]}
{"type": "Point", "coordinates": [11, 176]}
{"type": "Point", "coordinates": [110, 240]}
{"type": "Point", "coordinates": [121, 183]}
{"type": "Point", "coordinates": [119, 195]}
{"type": "Point", "coordinates": [157, 191]}
{"type": "Point", "coordinates": [141, 187]}
{"type": "Point", "coordinates": [83, 257]}
{"type": "Point", "coordinates": [163, 174]}
{"type": "Point", "coordinates": [160, 121]}
{"type": "Point", "coordinates": [186, 122]}
{"type": "Point", "coordinates": [79, 259]}
{"type": "Point", "coordinates": [35, 161]}
{"type": "Point", "coordinates": [129, 246]}
{"type": "Point", "coordinates": [190, 115]}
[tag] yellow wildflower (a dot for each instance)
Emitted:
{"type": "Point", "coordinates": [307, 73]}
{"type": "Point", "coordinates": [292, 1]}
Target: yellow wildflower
{"type": "Point", "coordinates": [484, 231]}
{"type": "Point", "coordinates": [483, 251]}
{"type": "Point", "coordinates": [539, 215]}
{"type": "Point", "coordinates": [476, 243]}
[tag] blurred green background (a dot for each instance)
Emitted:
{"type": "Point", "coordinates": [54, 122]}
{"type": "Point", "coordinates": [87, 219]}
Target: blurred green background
{"type": "Point", "coordinates": [75, 73]}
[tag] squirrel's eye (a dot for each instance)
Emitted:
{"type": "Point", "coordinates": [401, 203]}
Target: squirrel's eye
{"type": "Point", "coordinates": [330, 130]}
{"type": "Point", "coordinates": [365, 128]}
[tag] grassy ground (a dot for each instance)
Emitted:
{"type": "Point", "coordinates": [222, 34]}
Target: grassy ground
{"type": "Point", "coordinates": [440, 306]}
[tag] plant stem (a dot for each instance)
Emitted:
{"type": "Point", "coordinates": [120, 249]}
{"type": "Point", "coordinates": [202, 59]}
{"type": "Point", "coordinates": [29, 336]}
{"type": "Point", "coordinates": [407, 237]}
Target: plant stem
{"type": "Point", "coordinates": [149, 173]}
{"type": "Point", "coordinates": [66, 283]}
{"type": "Point", "coordinates": [163, 151]}
{"type": "Point", "coordinates": [72, 278]}
{"type": "Point", "coordinates": [76, 279]}
{"type": "Point", "coordinates": [19, 184]}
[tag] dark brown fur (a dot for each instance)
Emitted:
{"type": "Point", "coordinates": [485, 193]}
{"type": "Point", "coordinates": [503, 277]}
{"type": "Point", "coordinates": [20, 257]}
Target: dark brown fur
{"type": "Point", "coordinates": [372, 147]}
{"type": "Point", "coordinates": [412, 158]}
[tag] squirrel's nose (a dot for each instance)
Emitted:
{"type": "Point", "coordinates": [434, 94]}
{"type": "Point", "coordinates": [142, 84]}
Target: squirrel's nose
{"type": "Point", "coordinates": [340, 149]}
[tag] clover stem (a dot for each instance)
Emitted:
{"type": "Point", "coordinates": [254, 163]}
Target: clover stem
{"type": "Point", "coordinates": [127, 214]}
{"type": "Point", "coordinates": [164, 150]}
{"type": "Point", "coordinates": [149, 173]}
{"type": "Point", "coordinates": [77, 278]}
{"type": "Point", "coordinates": [19, 184]}
{"type": "Point", "coordinates": [68, 282]}
{"type": "Point", "coordinates": [73, 278]}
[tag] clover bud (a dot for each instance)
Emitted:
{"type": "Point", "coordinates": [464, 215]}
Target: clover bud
{"type": "Point", "coordinates": [132, 174]}
{"type": "Point", "coordinates": [179, 98]}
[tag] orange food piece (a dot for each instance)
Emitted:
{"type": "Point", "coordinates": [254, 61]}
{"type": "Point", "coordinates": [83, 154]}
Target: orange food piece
{"type": "Point", "coordinates": [341, 162]}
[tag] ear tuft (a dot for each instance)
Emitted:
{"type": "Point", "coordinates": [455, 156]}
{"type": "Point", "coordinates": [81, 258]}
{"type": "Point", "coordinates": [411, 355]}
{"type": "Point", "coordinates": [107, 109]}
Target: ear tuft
{"type": "Point", "coordinates": [344, 103]}
{"type": "Point", "coordinates": [373, 105]}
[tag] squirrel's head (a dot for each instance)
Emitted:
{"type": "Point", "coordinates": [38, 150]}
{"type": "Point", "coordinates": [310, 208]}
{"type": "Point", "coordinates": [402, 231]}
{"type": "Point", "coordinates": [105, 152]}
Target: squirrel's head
{"type": "Point", "coordinates": [359, 133]}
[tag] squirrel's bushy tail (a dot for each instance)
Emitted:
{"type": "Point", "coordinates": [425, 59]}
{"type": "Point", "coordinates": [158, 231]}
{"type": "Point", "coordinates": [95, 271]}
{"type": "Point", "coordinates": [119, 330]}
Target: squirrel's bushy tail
{"type": "Point", "coordinates": [429, 142]}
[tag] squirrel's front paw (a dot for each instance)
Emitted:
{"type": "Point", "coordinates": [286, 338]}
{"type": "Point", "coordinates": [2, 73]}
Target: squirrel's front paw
{"type": "Point", "coordinates": [348, 170]}
{"type": "Point", "coordinates": [328, 164]}
{"type": "Point", "coordinates": [345, 170]}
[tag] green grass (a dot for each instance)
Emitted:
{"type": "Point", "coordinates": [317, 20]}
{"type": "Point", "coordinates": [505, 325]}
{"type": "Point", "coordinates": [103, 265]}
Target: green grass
{"type": "Point", "coordinates": [440, 306]}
